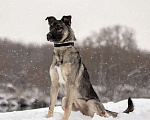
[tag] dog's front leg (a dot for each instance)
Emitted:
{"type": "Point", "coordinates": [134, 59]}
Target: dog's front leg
{"type": "Point", "coordinates": [53, 90]}
{"type": "Point", "coordinates": [68, 102]}
{"type": "Point", "coordinates": [70, 85]}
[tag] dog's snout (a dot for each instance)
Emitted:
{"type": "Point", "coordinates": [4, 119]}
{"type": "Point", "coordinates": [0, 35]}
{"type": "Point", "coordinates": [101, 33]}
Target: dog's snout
{"type": "Point", "coordinates": [49, 35]}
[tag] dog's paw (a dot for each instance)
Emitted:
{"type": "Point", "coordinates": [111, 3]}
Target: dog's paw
{"type": "Point", "coordinates": [48, 116]}
{"type": "Point", "coordinates": [64, 118]}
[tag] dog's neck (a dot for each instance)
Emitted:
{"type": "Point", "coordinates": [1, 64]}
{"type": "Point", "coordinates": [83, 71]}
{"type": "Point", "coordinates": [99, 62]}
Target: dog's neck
{"type": "Point", "coordinates": [64, 47]}
{"type": "Point", "coordinates": [64, 44]}
{"type": "Point", "coordinates": [71, 37]}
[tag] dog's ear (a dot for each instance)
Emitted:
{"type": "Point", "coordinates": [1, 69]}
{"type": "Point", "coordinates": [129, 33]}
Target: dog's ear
{"type": "Point", "coordinates": [50, 19]}
{"type": "Point", "coordinates": [67, 20]}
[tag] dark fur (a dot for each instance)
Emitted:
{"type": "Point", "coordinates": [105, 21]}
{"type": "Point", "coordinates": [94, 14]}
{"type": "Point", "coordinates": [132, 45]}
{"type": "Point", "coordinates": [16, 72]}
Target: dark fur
{"type": "Point", "coordinates": [68, 72]}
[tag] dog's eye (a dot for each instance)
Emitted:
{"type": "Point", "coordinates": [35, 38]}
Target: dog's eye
{"type": "Point", "coordinates": [52, 24]}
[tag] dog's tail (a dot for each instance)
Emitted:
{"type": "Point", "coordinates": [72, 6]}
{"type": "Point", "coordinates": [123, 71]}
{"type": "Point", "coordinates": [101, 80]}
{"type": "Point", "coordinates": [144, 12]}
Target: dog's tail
{"type": "Point", "coordinates": [129, 109]}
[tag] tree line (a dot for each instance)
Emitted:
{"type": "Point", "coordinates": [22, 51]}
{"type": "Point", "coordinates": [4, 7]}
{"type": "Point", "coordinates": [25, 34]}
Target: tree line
{"type": "Point", "coordinates": [111, 56]}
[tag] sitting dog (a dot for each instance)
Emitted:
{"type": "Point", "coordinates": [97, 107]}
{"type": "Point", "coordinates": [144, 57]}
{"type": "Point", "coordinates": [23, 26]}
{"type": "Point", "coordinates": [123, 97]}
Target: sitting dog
{"type": "Point", "coordinates": [68, 72]}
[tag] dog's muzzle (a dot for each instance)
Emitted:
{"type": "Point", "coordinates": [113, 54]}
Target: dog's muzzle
{"type": "Point", "coordinates": [49, 36]}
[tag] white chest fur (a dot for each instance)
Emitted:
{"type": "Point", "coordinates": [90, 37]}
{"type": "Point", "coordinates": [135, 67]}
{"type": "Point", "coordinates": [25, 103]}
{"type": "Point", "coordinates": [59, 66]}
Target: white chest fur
{"type": "Point", "coordinates": [61, 79]}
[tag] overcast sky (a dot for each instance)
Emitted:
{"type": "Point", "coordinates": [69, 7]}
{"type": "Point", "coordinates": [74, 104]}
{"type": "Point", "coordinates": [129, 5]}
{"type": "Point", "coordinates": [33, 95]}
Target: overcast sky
{"type": "Point", "coordinates": [24, 20]}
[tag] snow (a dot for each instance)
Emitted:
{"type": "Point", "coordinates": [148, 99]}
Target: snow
{"type": "Point", "coordinates": [141, 112]}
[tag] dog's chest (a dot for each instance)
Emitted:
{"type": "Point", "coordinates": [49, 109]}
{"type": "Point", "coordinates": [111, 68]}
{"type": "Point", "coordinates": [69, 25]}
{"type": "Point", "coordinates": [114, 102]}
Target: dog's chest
{"type": "Point", "coordinates": [61, 79]}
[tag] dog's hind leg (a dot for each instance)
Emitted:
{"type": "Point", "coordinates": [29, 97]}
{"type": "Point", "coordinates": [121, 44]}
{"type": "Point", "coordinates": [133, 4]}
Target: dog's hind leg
{"type": "Point", "coordinates": [96, 106]}
{"type": "Point", "coordinates": [63, 103]}
{"type": "Point", "coordinates": [54, 88]}
{"type": "Point", "coordinates": [81, 105]}
{"type": "Point", "coordinates": [90, 107]}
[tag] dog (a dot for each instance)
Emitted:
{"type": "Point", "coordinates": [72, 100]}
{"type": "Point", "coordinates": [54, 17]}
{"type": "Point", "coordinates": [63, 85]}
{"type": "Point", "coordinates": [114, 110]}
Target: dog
{"type": "Point", "coordinates": [68, 72]}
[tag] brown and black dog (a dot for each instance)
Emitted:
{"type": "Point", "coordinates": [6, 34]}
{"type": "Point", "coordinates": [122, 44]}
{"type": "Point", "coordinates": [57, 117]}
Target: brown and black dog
{"type": "Point", "coordinates": [68, 72]}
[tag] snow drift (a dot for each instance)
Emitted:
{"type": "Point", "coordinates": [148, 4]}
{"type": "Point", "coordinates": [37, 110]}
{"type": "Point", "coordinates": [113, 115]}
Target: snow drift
{"type": "Point", "coordinates": [141, 112]}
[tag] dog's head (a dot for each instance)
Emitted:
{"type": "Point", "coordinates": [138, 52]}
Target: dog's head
{"type": "Point", "coordinates": [60, 30]}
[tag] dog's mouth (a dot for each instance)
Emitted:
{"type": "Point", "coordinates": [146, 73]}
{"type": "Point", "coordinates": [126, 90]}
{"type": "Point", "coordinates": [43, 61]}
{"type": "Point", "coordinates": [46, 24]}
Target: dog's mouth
{"type": "Point", "coordinates": [55, 37]}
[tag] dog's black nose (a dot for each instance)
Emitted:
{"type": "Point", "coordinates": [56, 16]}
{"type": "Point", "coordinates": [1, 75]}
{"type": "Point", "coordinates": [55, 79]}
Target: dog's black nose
{"type": "Point", "coordinates": [49, 35]}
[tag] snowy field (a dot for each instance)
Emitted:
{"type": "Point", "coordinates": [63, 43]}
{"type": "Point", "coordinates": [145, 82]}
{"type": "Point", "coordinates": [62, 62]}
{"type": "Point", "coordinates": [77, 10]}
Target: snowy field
{"type": "Point", "coordinates": [141, 112]}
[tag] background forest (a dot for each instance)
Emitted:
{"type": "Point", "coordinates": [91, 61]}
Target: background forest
{"type": "Point", "coordinates": [117, 68]}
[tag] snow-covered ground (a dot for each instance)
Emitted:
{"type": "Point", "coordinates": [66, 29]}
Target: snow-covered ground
{"type": "Point", "coordinates": [141, 112]}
